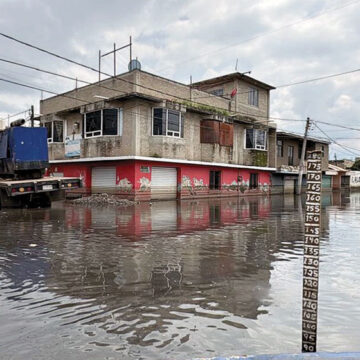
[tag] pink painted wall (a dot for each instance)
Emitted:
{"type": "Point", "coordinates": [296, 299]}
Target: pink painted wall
{"type": "Point", "coordinates": [193, 180]}
{"type": "Point", "coordinates": [82, 171]}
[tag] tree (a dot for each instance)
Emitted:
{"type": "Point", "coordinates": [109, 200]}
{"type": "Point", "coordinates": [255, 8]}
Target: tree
{"type": "Point", "coordinates": [356, 165]}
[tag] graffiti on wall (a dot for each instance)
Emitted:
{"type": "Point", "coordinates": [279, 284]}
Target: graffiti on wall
{"type": "Point", "coordinates": [145, 184]}
{"type": "Point", "coordinates": [199, 183]}
{"type": "Point", "coordinates": [125, 185]}
{"type": "Point", "coordinates": [355, 179]}
{"type": "Point", "coordinates": [186, 182]}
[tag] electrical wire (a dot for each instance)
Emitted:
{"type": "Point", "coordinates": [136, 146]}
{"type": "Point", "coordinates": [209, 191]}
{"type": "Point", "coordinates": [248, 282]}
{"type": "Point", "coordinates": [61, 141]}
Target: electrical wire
{"type": "Point", "coordinates": [346, 148]}
{"type": "Point", "coordinates": [310, 17]}
{"type": "Point", "coordinates": [134, 83]}
{"type": "Point", "coordinates": [93, 69]}
{"type": "Point", "coordinates": [318, 78]}
{"type": "Point", "coordinates": [123, 92]}
{"type": "Point", "coordinates": [116, 90]}
{"type": "Point", "coordinates": [13, 115]}
{"type": "Point", "coordinates": [336, 125]}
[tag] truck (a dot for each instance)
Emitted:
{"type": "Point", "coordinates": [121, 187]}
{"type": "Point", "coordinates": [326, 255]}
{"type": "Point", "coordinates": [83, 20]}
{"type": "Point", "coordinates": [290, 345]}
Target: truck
{"type": "Point", "coordinates": [23, 162]}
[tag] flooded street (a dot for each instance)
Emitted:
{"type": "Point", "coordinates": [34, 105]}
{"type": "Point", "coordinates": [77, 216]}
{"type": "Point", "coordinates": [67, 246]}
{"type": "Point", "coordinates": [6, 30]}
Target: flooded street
{"type": "Point", "coordinates": [174, 280]}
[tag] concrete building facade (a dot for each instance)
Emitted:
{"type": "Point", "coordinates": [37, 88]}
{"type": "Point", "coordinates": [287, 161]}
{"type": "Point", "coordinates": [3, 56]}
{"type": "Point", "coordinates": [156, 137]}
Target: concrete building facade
{"type": "Point", "coordinates": [143, 136]}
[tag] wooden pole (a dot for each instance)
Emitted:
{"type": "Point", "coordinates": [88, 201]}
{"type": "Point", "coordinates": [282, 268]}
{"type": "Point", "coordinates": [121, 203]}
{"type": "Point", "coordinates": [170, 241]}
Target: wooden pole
{"type": "Point", "coordinates": [114, 59]}
{"type": "Point", "coordinates": [99, 65]}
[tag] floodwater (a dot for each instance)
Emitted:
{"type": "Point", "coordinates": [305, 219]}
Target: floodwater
{"type": "Point", "coordinates": [174, 280]}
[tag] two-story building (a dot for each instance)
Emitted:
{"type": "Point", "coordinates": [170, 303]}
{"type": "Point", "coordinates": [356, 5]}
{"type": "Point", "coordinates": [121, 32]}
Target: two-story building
{"type": "Point", "coordinates": [143, 136]}
{"type": "Point", "coordinates": [288, 155]}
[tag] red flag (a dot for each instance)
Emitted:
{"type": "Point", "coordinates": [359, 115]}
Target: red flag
{"type": "Point", "coordinates": [234, 92]}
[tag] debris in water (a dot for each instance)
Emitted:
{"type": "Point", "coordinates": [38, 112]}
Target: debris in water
{"type": "Point", "coordinates": [103, 200]}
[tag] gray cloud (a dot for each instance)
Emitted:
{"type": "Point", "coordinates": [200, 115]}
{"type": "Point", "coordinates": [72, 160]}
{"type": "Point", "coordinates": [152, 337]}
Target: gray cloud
{"type": "Point", "coordinates": [177, 38]}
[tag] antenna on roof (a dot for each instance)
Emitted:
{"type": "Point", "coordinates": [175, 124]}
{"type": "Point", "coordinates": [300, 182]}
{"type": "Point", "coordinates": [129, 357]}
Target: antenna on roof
{"type": "Point", "coordinates": [236, 64]}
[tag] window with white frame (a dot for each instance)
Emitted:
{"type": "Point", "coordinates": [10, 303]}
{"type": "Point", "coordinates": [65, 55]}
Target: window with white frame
{"type": "Point", "coordinates": [253, 98]}
{"type": "Point", "coordinates": [103, 122]}
{"type": "Point", "coordinates": [167, 122]}
{"type": "Point", "coordinates": [255, 139]}
{"type": "Point", "coordinates": [55, 131]}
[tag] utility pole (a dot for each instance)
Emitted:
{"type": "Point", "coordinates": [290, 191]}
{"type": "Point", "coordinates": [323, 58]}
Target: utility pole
{"type": "Point", "coordinates": [190, 87]}
{"type": "Point", "coordinates": [301, 165]}
{"type": "Point", "coordinates": [99, 65]}
{"type": "Point", "coordinates": [32, 115]}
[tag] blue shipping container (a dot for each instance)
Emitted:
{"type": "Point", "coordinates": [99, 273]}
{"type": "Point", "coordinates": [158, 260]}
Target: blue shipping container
{"type": "Point", "coordinates": [28, 144]}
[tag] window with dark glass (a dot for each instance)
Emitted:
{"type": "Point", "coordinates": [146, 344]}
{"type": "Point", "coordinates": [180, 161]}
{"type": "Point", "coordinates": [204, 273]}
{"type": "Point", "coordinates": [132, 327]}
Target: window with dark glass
{"type": "Point", "coordinates": [280, 148]}
{"type": "Point", "coordinates": [250, 138]}
{"type": "Point", "coordinates": [103, 122]}
{"type": "Point", "coordinates": [173, 123]}
{"type": "Point", "coordinates": [253, 181]}
{"type": "Point", "coordinates": [48, 126]}
{"type": "Point", "coordinates": [168, 122]}
{"type": "Point", "coordinates": [159, 117]}
{"type": "Point", "coordinates": [290, 155]}
{"type": "Point", "coordinates": [110, 122]}
{"type": "Point", "coordinates": [215, 180]}
{"type": "Point", "coordinates": [253, 98]}
{"type": "Point", "coordinates": [93, 124]}
{"type": "Point", "coordinates": [55, 131]}
{"type": "Point", "coordinates": [255, 139]}
{"type": "Point", "coordinates": [58, 131]}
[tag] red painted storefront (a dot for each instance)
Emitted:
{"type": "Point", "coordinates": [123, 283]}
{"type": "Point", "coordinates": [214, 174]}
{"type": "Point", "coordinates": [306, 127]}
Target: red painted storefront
{"type": "Point", "coordinates": [133, 178]}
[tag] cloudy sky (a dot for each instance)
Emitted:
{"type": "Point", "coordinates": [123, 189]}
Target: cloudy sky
{"type": "Point", "coordinates": [281, 42]}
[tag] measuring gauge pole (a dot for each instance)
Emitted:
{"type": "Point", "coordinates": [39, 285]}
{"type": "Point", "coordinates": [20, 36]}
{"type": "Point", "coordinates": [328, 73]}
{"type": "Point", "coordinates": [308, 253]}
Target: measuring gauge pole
{"type": "Point", "coordinates": [311, 251]}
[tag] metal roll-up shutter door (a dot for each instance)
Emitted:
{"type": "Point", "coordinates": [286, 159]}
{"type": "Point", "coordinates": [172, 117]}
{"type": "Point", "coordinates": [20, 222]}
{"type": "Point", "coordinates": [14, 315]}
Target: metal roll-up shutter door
{"type": "Point", "coordinates": [103, 178]}
{"type": "Point", "coordinates": [163, 183]}
{"type": "Point", "coordinates": [326, 182]}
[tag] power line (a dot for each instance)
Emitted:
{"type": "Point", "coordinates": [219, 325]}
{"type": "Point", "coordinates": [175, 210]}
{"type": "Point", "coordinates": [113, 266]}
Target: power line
{"type": "Point", "coordinates": [262, 34]}
{"type": "Point", "coordinates": [294, 83]}
{"type": "Point", "coordinates": [316, 79]}
{"type": "Point", "coordinates": [108, 88]}
{"type": "Point", "coordinates": [60, 75]}
{"type": "Point", "coordinates": [93, 69]}
{"type": "Point", "coordinates": [149, 88]}
{"type": "Point", "coordinates": [41, 89]}
{"type": "Point", "coordinates": [13, 115]}
{"type": "Point", "coordinates": [346, 148]}
{"type": "Point", "coordinates": [123, 92]}
{"type": "Point", "coordinates": [336, 125]}
{"type": "Point", "coordinates": [42, 70]}
{"type": "Point", "coordinates": [46, 51]}
{"type": "Point", "coordinates": [128, 81]}
{"type": "Point", "coordinates": [75, 98]}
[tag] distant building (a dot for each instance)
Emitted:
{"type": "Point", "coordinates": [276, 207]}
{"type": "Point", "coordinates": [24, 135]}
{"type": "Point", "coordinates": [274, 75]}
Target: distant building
{"type": "Point", "coordinates": [339, 177]}
{"type": "Point", "coordinates": [288, 155]}
{"type": "Point", "coordinates": [345, 163]}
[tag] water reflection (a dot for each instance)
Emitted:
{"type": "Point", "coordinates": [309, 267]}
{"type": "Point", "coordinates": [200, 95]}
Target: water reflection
{"type": "Point", "coordinates": [162, 280]}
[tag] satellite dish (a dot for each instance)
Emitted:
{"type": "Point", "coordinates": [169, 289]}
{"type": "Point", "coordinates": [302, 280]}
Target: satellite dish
{"type": "Point", "coordinates": [134, 65]}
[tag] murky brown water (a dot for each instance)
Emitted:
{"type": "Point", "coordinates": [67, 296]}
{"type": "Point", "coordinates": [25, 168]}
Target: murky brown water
{"type": "Point", "coordinates": [174, 280]}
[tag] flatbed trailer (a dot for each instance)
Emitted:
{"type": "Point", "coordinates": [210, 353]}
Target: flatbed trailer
{"type": "Point", "coordinates": [35, 192]}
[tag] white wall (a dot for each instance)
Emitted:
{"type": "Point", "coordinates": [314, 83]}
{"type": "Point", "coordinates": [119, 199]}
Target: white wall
{"type": "Point", "coordinates": [355, 179]}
